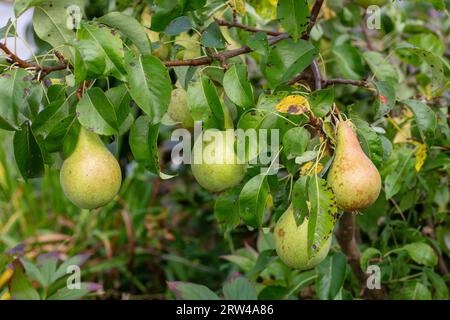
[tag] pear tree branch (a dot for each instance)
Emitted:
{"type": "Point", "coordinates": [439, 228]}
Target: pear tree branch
{"type": "Point", "coordinates": [41, 71]}
{"type": "Point", "coordinates": [345, 236]}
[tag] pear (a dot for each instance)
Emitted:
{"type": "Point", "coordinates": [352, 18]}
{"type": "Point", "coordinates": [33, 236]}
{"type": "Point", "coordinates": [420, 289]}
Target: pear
{"type": "Point", "coordinates": [213, 175]}
{"type": "Point", "coordinates": [90, 177]}
{"type": "Point", "coordinates": [178, 108]}
{"type": "Point", "coordinates": [292, 243]}
{"type": "Point", "coordinates": [354, 179]}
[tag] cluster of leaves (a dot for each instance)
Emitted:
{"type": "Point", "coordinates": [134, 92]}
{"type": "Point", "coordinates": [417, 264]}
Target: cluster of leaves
{"type": "Point", "coordinates": [116, 82]}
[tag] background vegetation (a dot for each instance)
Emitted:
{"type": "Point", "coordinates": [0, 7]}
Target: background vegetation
{"type": "Point", "coordinates": [167, 238]}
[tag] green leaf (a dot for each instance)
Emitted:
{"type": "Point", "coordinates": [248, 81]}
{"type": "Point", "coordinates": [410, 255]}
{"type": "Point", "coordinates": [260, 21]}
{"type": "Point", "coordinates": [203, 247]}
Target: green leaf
{"type": "Point", "coordinates": [121, 100]}
{"type": "Point", "coordinates": [95, 112]}
{"type": "Point", "coordinates": [368, 254]}
{"type": "Point", "coordinates": [287, 59]}
{"type": "Point", "coordinates": [237, 86]}
{"type": "Point", "coordinates": [259, 43]}
{"type": "Point", "coordinates": [252, 200]}
{"type": "Point", "coordinates": [50, 116]}
{"type": "Point", "coordinates": [163, 12]}
{"type": "Point", "coordinates": [226, 210]}
{"type": "Point", "coordinates": [178, 25]}
{"type": "Point", "coordinates": [74, 293]}
{"type": "Point", "coordinates": [150, 85]}
{"type": "Point", "coordinates": [214, 103]}
{"type": "Point", "coordinates": [321, 101]}
{"type": "Point", "coordinates": [411, 290]}
{"type": "Point", "coordinates": [422, 253]}
{"type": "Point", "coordinates": [348, 60]}
{"type": "Point", "coordinates": [14, 87]}
{"type": "Point", "coordinates": [54, 141]}
{"type": "Point", "coordinates": [331, 276]}
{"type": "Point", "coordinates": [8, 27]}
{"type": "Point", "coordinates": [322, 215]}
{"type": "Point", "coordinates": [240, 288]}
{"type": "Point", "coordinates": [21, 6]}
{"type": "Point", "coordinates": [27, 153]}
{"type": "Point", "coordinates": [191, 291]}
{"type": "Point", "coordinates": [394, 180]}
{"type": "Point", "coordinates": [130, 28]}
{"type": "Point", "coordinates": [386, 98]}
{"type": "Point", "coordinates": [380, 66]}
{"type": "Point", "coordinates": [20, 287]}
{"type": "Point", "coordinates": [53, 20]}
{"type": "Point", "coordinates": [369, 140]}
{"type": "Point", "coordinates": [295, 142]}
{"type": "Point", "coordinates": [90, 60]}
{"type": "Point", "coordinates": [109, 42]}
{"type": "Point", "coordinates": [77, 260]}
{"type": "Point", "coordinates": [212, 37]}
{"type": "Point", "coordinates": [300, 199]}
{"type": "Point", "coordinates": [408, 52]}
{"type": "Point", "coordinates": [265, 258]}
{"type": "Point", "coordinates": [424, 116]}
{"type": "Point", "coordinates": [47, 265]}
{"type": "Point", "coordinates": [144, 143]}
{"type": "Point", "coordinates": [439, 285]}
{"type": "Point", "coordinates": [293, 15]}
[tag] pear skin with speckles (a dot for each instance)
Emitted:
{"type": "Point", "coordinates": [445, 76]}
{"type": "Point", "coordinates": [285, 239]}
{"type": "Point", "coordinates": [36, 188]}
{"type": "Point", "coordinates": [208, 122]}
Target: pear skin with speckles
{"type": "Point", "coordinates": [353, 177]}
{"type": "Point", "coordinates": [292, 243]}
{"type": "Point", "coordinates": [219, 167]}
{"type": "Point", "coordinates": [90, 177]}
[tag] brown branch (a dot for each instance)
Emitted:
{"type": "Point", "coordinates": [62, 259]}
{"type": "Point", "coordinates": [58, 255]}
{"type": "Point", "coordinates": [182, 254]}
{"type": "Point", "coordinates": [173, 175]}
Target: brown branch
{"type": "Point", "coordinates": [41, 71]}
{"type": "Point", "coordinates": [345, 236]}
{"type": "Point", "coordinates": [366, 33]}
{"type": "Point", "coordinates": [313, 18]}
{"type": "Point", "coordinates": [225, 55]}
{"type": "Point", "coordinates": [358, 83]}
{"type": "Point", "coordinates": [238, 25]}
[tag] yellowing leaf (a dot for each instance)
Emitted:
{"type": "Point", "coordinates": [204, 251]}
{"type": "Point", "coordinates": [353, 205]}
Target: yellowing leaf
{"type": "Point", "coordinates": [404, 135]}
{"type": "Point", "coordinates": [421, 155]}
{"type": "Point", "coordinates": [4, 278]}
{"type": "Point", "coordinates": [307, 168]}
{"type": "Point", "coordinates": [327, 12]}
{"type": "Point", "coordinates": [5, 296]}
{"type": "Point", "coordinates": [238, 6]}
{"type": "Point", "coordinates": [293, 104]}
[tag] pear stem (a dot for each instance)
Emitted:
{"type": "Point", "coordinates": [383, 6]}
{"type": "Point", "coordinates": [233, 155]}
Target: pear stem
{"type": "Point", "coordinates": [345, 236]}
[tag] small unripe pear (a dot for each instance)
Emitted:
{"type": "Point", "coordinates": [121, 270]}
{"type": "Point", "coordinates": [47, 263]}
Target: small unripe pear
{"type": "Point", "coordinates": [90, 177]}
{"type": "Point", "coordinates": [292, 243]}
{"type": "Point", "coordinates": [216, 176]}
{"type": "Point", "coordinates": [354, 179]}
{"type": "Point", "coordinates": [179, 110]}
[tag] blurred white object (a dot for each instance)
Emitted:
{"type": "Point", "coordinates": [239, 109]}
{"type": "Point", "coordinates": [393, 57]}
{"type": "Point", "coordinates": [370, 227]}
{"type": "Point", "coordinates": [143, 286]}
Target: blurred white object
{"type": "Point", "coordinates": [23, 49]}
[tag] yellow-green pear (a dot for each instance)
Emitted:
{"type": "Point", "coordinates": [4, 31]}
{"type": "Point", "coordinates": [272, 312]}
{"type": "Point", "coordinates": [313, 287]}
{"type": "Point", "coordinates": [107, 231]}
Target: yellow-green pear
{"type": "Point", "coordinates": [368, 3]}
{"type": "Point", "coordinates": [179, 110]}
{"type": "Point", "coordinates": [90, 177]}
{"type": "Point", "coordinates": [354, 179]}
{"type": "Point", "coordinates": [215, 165]}
{"type": "Point", "coordinates": [292, 243]}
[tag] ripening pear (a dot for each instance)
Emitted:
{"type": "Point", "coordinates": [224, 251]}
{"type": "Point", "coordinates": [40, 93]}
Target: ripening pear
{"type": "Point", "coordinates": [179, 110]}
{"type": "Point", "coordinates": [215, 164]}
{"type": "Point", "coordinates": [90, 177]}
{"type": "Point", "coordinates": [354, 179]}
{"type": "Point", "coordinates": [292, 243]}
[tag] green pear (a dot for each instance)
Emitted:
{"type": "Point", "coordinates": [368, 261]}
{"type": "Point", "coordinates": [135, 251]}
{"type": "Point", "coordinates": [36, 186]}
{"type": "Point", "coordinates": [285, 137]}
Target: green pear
{"type": "Point", "coordinates": [219, 168]}
{"type": "Point", "coordinates": [292, 243]}
{"type": "Point", "coordinates": [90, 177]}
{"type": "Point", "coordinates": [368, 3]}
{"type": "Point", "coordinates": [179, 110]}
{"type": "Point", "coordinates": [354, 179]}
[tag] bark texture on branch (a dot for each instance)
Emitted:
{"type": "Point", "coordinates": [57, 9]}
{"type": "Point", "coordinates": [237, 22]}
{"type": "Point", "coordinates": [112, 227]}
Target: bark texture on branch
{"type": "Point", "coordinates": [345, 236]}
